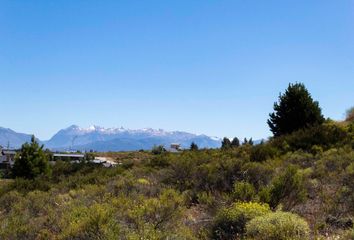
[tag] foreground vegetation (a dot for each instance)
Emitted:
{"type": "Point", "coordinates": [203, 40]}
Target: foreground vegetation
{"type": "Point", "coordinates": [259, 192]}
{"type": "Point", "coordinates": [298, 185]}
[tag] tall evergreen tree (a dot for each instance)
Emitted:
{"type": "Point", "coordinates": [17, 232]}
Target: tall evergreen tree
{"type": "Point", "coordinates": [31, 161]}
{"type": "Point", "coordinates": [235, 142]}
{"type": "Point", "coordinates": [294, 110]}
{"type": "Point", "coordinates": [226, 143]}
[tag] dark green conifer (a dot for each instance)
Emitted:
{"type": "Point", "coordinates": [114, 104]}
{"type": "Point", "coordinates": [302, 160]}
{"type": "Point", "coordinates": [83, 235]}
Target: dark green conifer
{"type": "Point", "coordinates": [226, 143]}
{"type": "Point", "coordinates": [295, 110]}
{"type": "Point", "coordinates": [31, 161]}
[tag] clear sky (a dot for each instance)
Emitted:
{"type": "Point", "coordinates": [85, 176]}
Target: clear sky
{"type": "Point", "coordinates": [203, 66]}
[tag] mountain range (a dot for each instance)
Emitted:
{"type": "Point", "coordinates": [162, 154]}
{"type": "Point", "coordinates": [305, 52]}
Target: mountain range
{"type": "Point", "coordinates": [109, 139]}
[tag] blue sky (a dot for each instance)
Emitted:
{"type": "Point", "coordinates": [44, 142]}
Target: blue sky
{"type": "Point", "coordinates": [212, 67]}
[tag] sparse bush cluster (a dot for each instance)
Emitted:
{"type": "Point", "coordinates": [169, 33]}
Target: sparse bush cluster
{"type": "Point", "coordinates": [204, 194]}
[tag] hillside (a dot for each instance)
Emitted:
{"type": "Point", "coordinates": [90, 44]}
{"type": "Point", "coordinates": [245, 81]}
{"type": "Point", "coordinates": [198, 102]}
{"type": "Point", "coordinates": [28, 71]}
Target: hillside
{"type": "Point", "coordinates": [12, 139]}
{"type": "Point", "coordinates": [194, 194]}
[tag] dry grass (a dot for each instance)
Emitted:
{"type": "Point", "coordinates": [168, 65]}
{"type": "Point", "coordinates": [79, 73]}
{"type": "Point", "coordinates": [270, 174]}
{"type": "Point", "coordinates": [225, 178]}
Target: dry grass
{"type": "Point", "coordinates": [4, 182]}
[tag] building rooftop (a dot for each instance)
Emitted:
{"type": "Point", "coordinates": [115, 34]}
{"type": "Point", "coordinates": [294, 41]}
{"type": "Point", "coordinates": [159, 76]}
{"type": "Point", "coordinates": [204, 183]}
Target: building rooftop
{"type": "Point", "coordinates": [68, 155]}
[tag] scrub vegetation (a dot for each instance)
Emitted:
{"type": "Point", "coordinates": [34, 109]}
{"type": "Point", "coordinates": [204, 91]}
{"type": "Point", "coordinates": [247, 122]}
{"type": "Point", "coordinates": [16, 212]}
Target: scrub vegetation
{"type": "Point", "coordinates": [299, 184]}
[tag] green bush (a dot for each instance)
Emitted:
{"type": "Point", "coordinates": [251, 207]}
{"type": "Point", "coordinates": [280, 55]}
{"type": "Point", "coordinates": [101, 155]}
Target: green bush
{"type": "Point", "coordinates": [158, 161]}
{"type": "Point", "coordinates": [278, 226]}
{"type": "Point", "coordinates": [161, 214]}
{"type": "Point", "coordinates": [288, 188]}
{"type": "Point", "coordinates": [299, 158]}
{"type": "Point", "coordinates": [258, 174]}
{"type": "Point", "coordinates": [327, 135]}
{"type": "Point", "coordinates": [158, 150]}
{"type": "Point", "coordinates": [26, 185]}
{"type": "Point", "coordinates": [264, 194]}
{"type": "Point", "coordinates": [230, 222]}
{"type": "Point", "coordinates": [244, 191]}
{"type": "Point", "coordinates": [348, 182]}
{"type": "Point", "coordinates": [206, 198]}
{"type": "Point", "coordinates": [316, 150]}
{"type": "Point", "coordinates": [262, 152]}
{"type": "Point", "coordinates": [95, 222]}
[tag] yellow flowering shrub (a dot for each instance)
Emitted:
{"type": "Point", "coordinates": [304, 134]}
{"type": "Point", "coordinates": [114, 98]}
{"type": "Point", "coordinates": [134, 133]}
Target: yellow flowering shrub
{"type": "Point", "coordinates": [230, 222]}
{"type": "Point", "coordinates": [278, 226]}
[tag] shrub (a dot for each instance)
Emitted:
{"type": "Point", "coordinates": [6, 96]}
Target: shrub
{"type": "Point", "coordinates": [288, 188]}
{"type": "Point", "coordinates": [299, 158]}
{"type": "Point", "coordinates": [264, 194]}
{"type": "Point", "coordinates": [96, 222]}
{"type": "Point", "coordinates": [278, 226]}
{"type": "Point", "coordinates": [348, 182]}
{"type": "Point", "coordinates": [158, 212]}
{"type": "Point", "coordinates": [326, 135]}
{"type": "Point", "coordinates": [206, 198]}
{"type": "Point", "coordinates": [257, 174]}
{"type": "Point", "coordinates": [26, 185]}
{"type": "Point", "coordinates": [230, 222]}
{"type": "Point", "coordinates": [158, 150]}
{"type": "Point", "coordinates": [316, 150]}
{"type": "Point", "coordinates": [158, 161]}
{"type": "Point", "coordinates": [339, 222]}
{"type": "Point", "coordinates": [218, 175]}
{"type": "Point", "coordinates": [244, 191]}
{"type": "Point", "coordinates": [262, 152]}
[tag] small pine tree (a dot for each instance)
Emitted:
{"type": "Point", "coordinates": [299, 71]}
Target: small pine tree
{"type": "Point", "coordinates": [194, 147]}
{"type": "Point", "coordinates": [294, 111]}
{"type": "Point", "coordinates": [250, 142]}
{"type": "Point", "coordinates": [31, 161]}
{"type": "Point", "coordinates": [226, 143]}
{"type": "Point", "coordinates": [235, 142]}
{"type": "Point", "coordinates": [245, 141]}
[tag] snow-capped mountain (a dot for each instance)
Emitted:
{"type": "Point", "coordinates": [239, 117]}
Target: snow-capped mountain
{"type": "Point", "coordinates": [121, 139]}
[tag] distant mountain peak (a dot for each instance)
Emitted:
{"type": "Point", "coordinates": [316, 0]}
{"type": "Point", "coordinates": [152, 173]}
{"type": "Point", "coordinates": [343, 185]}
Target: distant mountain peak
{"type": "Point", "coordinates": [113, 130]}
{"type": "Point", "coordinates": [111, 139]}
{"type": "Point", "coordinates": [72, 127]}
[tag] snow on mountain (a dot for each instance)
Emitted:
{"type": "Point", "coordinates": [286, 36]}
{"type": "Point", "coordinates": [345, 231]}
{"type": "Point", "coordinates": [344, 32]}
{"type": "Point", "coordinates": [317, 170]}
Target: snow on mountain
{"type": "Point", "coordinates": [109, 139]}
{"type": "Point", "coordinates": [119, 139]}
